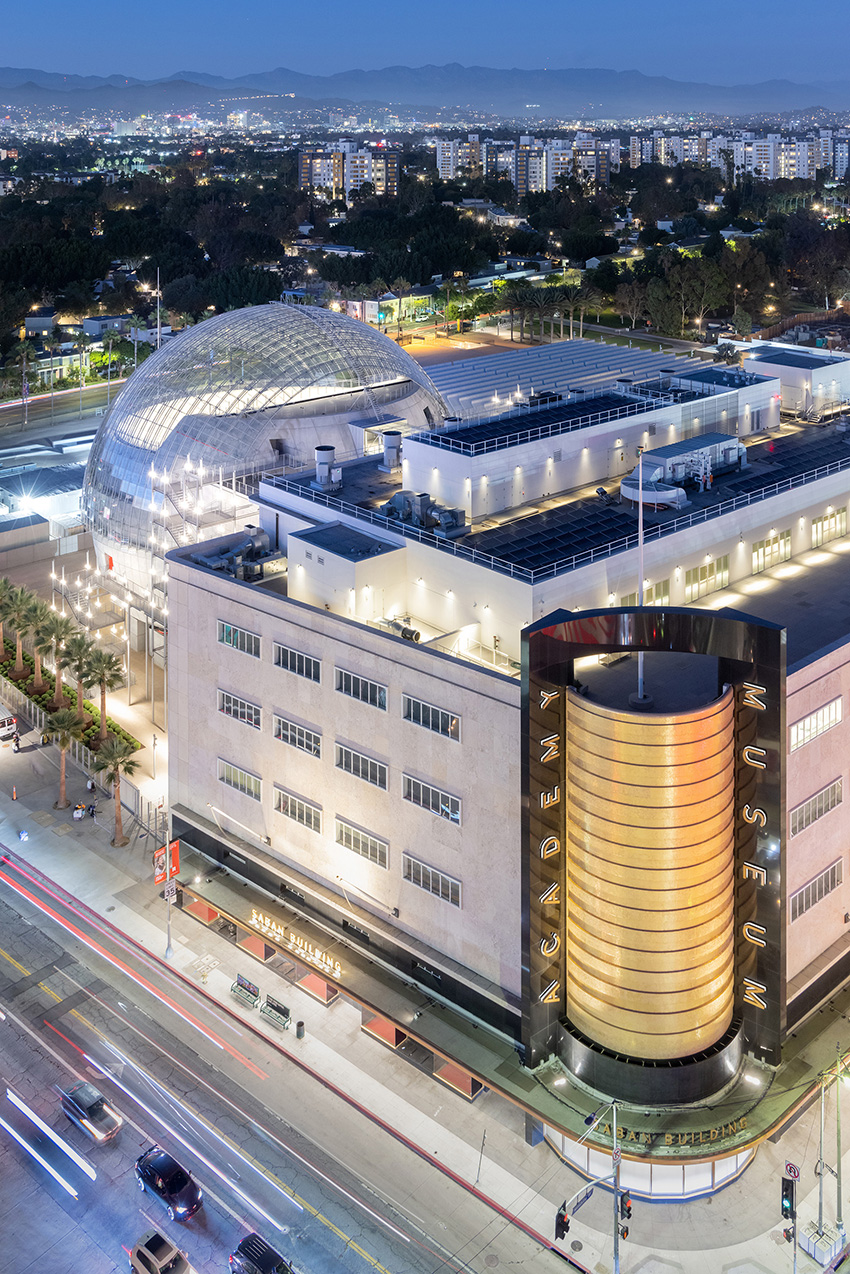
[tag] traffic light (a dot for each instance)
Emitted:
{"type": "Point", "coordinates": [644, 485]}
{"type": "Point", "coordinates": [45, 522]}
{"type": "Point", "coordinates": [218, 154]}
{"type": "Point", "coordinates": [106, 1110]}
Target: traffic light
{"type": "Point", "coordinates": [562, 1221]}
{"type": "Point", "coordinates": [624, 1231]}
{"type": "Point", "coordinates": [789, 1208]}
{"type": "Point", "coordinates": [788, 1234]}
{"type": "Point", "coordinates": [625, 1207]}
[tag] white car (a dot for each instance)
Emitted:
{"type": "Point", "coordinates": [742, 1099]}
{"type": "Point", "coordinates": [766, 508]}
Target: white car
{"type": "Point", "coordinates": [155, 1254]}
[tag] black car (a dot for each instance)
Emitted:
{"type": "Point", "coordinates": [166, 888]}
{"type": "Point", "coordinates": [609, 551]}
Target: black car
{"type": "Point", "coordinates": [89, 1110]}
{"type": "Point", "coordinates": [158, 1172]}
{"type": "Point", "coordinates": [254, 1256]}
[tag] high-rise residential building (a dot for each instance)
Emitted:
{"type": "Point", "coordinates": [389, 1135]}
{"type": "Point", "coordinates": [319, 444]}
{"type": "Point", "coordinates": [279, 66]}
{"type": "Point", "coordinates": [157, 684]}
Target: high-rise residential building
{"type": "Point", "coordinates": [322, 170]}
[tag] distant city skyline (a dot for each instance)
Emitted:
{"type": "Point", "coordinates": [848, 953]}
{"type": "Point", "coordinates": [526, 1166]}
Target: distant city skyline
{"type": "Point", "coordinates": [661, 37]}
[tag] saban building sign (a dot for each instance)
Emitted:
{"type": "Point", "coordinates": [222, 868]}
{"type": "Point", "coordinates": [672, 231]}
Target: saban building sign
{"type": "Point", "coordinates": [653, 856]}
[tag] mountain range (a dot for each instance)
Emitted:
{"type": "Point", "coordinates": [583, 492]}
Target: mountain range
{"type": "Point", "coordinates": [587, 93]}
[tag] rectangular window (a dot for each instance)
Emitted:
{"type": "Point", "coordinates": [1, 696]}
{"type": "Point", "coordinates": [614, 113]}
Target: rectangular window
{"type": "Point", "coordinates": [297, 737]}
{"type": "Point", "coordinates": [361, 766]}
{"type": "Point", "coordinates": [372, 692]}
{"type": "Point", "coordinates": [816, 889]}
{"type": "Point", "coordinates": [830, 527]}
{"type": "Point", "coordinates": [299, 810]}
{"type": "Point", "coordinates": [816, 723]}
{"type": "Point", "coordinates": [294, 661]}
{"type": "Point", "coordinates": [239, 709]}
{"type": "Point", "coordinates": [431, 798]}
{"type": "Point", "coordinates": [772, 551]}
{"type": "Point", "coordinates": [377, 851]}
{"type": "Point", "coordinates": [239, 639]}
{"type": "Point", "coordinates": [653, 595]}
{"type": "Point", "coordinates": [707, 578]}
{"type": "Point", "coordinates": [815, 807]}
{"type": "Point", "coordinates": [240, 779]}
{"type": "Point", "coordinates": [436, 719]}
{"type": "Point", "coordinates": [435, 882]}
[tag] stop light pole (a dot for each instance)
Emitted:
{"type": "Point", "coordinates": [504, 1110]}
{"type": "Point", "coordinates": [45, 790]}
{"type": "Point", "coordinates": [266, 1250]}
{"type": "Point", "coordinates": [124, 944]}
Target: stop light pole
{"type": "Point", "coordinates": [789, 1213]}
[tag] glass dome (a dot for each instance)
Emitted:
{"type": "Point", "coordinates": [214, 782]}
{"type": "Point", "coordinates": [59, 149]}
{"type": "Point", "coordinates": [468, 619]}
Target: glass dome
{"type": "Point", "coordinates": [236, 393]}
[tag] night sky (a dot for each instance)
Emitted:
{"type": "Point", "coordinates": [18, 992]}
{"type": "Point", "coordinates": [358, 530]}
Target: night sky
{"type": "Point", "coordinates": [718, 43]}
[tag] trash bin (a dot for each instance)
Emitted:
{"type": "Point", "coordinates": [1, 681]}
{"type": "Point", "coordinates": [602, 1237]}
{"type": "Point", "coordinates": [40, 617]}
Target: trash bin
{"type": "Point", "coordinates": [299, 1030]}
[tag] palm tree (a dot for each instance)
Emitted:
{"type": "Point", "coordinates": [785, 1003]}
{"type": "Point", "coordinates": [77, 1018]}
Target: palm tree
{"type": "Point", "coordinates": [64, 728]}
{"type": "Point", "coordinates": [570, 300]}
{"type": "Point", "coordinates": [23, 354]}
{"type": "Point", "coordinates": [5, 593]}
{"type": "Point", "coordinates": [76, 657]}
{"type": "Point", "coordinates": [107, 671]}
{"type": "Point", "coordinates": [58, 629]}
{"type": "Point", "coordinates": [541, 304]}
{"type": "Point", "coordinates": [39, 614]}
{"type": "Point", "coordinates": [513, 299]}
{"type": "Point", "coordinates": [588, 299]}
{"type": "Point", "coordinates": [18, 615]}
{"type": "Point", "coordinates": [115, 759]}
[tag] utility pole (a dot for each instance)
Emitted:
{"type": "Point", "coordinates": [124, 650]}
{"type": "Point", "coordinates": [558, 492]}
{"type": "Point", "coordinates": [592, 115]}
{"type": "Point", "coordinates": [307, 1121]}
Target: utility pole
{"type": "Point", "coordinates": [616, 1158]}
{"type": "Point", "coordinates": [820, 1156]}
{"type": "Point", "coordinates": [839, 1219]}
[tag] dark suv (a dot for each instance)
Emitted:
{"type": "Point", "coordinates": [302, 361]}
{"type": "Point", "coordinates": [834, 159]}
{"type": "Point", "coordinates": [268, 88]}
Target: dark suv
{"type": "Point", "coordinates": [254, 1256]}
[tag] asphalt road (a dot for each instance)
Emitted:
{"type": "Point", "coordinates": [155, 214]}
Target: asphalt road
{"type": "Point", "coordinates": [273, 1151]}
{"type": "Point", "coordinates": [65, 409]}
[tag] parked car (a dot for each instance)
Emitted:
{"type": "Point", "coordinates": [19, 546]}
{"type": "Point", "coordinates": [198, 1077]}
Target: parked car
{"type": "Point", "coordinates": [255, 1256]}
{"type": "Point", "coordinates": [8, 723]}
{"type": "Point", "coordinates": [86, 1107]}
{"type": "Point", "coordinates": [155, 1254]}
{"type": "Point", "coordinates": [159, 1173]}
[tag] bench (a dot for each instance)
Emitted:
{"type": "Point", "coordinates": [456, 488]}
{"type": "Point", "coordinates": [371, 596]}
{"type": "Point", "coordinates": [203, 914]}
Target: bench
{"type": "Point", "coordinates": [245, 996]}
{"type": "Point", "coordinates": [278, 1017]}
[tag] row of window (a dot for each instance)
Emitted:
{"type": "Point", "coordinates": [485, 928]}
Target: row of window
{"type": "Point", "coordinates": [771, 551]}
{"type": "Point", "coordinates": [823, 884]}
{"type": "Point", "coordinates": [443, 804]}
{"type": "Point", "coordinates": [351, 684]}
{"type": "Point", "coordinates": [815, 807]}
{"type": "Point", "coordinates": [707, 578]}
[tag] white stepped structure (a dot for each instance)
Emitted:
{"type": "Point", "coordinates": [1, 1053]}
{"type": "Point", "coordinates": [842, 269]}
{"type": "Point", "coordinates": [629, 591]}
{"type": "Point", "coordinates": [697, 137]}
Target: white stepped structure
{"type": "Point", "coordinates": [483, 387]}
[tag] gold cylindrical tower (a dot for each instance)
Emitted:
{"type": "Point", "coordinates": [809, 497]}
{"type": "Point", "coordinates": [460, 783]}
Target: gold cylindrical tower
{"type": "Point", "coordinates": [650, 824]}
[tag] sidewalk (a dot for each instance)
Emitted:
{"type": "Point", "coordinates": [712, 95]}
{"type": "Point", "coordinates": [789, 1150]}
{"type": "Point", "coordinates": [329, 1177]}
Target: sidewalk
{"type": "Point", "coordinates": [737, 1231]}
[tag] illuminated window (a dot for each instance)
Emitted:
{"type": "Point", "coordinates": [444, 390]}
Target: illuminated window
{"type": "Point", "coordinates": [435, 882]}
{"type": "Point", "coordinates": [815, 807]}
{"type": "Point", "coordinates": [299, 810]}
{"type": "Point", "coordinates": [816, 723]}
{"type": "Point", "coordinates": [361, 766]}
{"type": "Point", "coordinates": [231, 706]}
{"type": "Point", "coordinates": [359, 842]}
{"type": "Point", "coordinates": [244, 782]}
{"type": "Point", "coordinates": [707, 578]}
{"type": "Point", "coordinates": [772, 551]}
{"type": "Point", "coordinates": [431, 798]}
{"type": "Point", "coordinates": [372, 692]}
{"type": "Point", "coordinates": [436, 719]}
{"type": "Point", "coordinates": [239, 639]}
{"type": "Point", "coordinates": [653, 595]}
{"type": "Point", "coordinates": [816, 889]}
{"type": "Point", "coordinates": [297, 736]}
{"type": "Point", "coordinates": [294, 661]}
{"type": "Point", "coordinates": [830, 527]}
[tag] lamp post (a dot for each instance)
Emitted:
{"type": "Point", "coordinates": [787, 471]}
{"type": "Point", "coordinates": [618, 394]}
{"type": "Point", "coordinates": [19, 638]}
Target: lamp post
{"type": "Point", "coordinates": [839, 1066]}
{"type": "Point", "coordinates": [592, 1121]}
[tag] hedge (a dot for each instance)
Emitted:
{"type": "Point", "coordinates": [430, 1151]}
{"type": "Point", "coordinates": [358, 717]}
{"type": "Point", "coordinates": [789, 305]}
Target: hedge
{"type": "Point", "coordinates": [91, 736]}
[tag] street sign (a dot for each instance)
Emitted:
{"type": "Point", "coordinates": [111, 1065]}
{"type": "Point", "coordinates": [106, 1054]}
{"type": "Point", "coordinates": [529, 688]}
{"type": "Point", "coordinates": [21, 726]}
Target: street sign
{"type": "Point", "coordinates": [792, 1171]}
{"type": "Point", "coordinates": [617, 1154]}
{"type": "Point", "coordinates": [170, 890]}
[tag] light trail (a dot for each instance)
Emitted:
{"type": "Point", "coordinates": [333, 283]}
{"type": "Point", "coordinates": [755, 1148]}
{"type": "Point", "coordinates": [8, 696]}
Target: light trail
{"type": "Point", "coordinates": [54, 1136]}
{"type": "Point", "coordinates": [127, 971]}
{"type": "Point", "coordinates": [31, 1150]}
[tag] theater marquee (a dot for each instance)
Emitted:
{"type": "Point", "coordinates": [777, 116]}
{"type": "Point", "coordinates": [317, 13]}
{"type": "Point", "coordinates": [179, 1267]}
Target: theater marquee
{"type": "Point", "coordinates": [653, 857]}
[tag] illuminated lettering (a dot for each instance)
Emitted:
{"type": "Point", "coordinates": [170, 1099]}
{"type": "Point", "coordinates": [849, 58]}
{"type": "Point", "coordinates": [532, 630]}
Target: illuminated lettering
{"type": "Point", "coordinates": [753, 872]}
{"type": "Point", "coordinates": [753, 991]}
{"type": "Point", "coordinates": [751, 696]}
{"type": "Point", "coordinates": [551, 897]}
{"type": "Point", "coordinates": [755, 757]}
{"type": "Point", "coordinates": [551, 995]}
{"type": "Point", "coordinates": [550, 798]}
{"type": "Point", "coordinates": [755, 933]}
{"type": "Point", "coordinates": [277, 932]}
{"type": "Point", "coordinates": [551, 744]}
{"type": "Point", "coordinates": [754, 816]}
{"type": "Point", "coordinates": [549, 845]}
{"type": "Point", "coordinates": [548, 946]}
{"type": "Point", "coordinates": [546, 697]}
